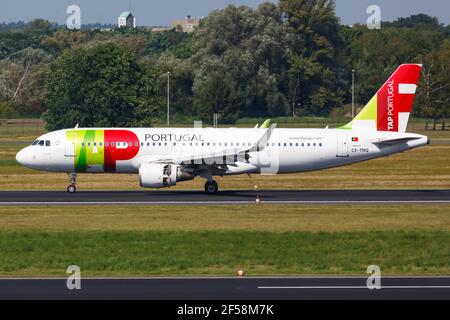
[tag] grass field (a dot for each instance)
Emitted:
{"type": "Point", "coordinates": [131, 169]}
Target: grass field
{"type": "Point", "coordinates": [218, 240]}
{"type": "Point", "coordinates": [270, 218]}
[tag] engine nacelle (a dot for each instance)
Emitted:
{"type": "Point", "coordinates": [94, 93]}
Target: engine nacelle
{"type": "Point", "coordinates": [160, 175]}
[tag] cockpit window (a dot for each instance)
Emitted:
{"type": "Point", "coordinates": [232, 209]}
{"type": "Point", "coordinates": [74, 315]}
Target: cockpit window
{"type": "Point", "coordinates": [47, 143]}
{"type": "Point", "coordinates": [41, 142]}
{"type": "Point", "coordinates": [35, 142]}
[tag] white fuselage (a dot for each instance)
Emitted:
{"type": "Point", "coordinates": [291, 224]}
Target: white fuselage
{"type": "Point", "coordinates": [286, 151]}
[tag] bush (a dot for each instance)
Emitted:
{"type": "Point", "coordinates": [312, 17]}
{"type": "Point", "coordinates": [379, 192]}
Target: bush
{"type": "Point", "coordinates": [7, 110]}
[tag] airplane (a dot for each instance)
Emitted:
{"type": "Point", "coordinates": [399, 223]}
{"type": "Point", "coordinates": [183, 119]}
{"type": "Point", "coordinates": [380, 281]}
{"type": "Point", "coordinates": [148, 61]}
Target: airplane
{"type": "Point", "coordinates": [162, 157]}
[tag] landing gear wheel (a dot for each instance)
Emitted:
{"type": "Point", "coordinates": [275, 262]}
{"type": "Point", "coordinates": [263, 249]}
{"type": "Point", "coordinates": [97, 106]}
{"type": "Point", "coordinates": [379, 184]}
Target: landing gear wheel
{"type": "Point", "coordinates": [211, 187]}
{"type": "Point", "coordinates": [73, 181]}
{"type": "Point", "coordinates": [71, 189]}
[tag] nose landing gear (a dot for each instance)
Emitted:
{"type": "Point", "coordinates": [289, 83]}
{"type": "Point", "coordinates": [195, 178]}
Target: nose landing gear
{"type": "Point", "coordinates": [71, 188]}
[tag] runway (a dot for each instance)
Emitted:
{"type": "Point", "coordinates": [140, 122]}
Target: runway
{"type": "Point", "coordinates": [225, 197]}
{"type": "Point", "coordinates": [266, 288]}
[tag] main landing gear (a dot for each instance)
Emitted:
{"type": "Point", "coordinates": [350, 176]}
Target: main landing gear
{"type": "Point", "coordinates": [71, 188]}
{"type": "Point", "coordinates": [211, 187]}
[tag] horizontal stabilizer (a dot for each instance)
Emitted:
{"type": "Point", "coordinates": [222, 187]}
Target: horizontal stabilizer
{"type": "Point", "coordinates": [394, 141]}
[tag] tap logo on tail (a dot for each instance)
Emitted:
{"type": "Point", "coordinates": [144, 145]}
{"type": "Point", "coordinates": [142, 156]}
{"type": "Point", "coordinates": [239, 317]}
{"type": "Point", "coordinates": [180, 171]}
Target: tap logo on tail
{"type": "Point", "coordinates": [390, 107]}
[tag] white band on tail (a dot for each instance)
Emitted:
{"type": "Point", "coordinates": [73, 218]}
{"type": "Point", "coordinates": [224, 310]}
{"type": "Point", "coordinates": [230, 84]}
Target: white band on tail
{"type": "Point", "coordinates": [406, 88]}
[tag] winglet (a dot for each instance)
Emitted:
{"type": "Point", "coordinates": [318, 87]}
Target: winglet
{"type": "Point", "coordinates": [266, 124]}
{"type": "Point", "coordinates": [262, 142]}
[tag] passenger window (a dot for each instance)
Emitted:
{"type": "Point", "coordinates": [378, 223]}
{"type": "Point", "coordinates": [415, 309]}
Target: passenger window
{"type": "Point", "coordinates": [136, 144]}
{"type": "Point", "coordinates": [309, 145]}
{"type": "Point", "coordinates": [95, 144]}
{"type": "Point", "coordinates": [320, 144]}
{"type": "Point", "coordinates": [314, 144]}
{"type": "Point", "coordinates": [106, 144]}
{"type": "Point", "coordinates": [112, 144]}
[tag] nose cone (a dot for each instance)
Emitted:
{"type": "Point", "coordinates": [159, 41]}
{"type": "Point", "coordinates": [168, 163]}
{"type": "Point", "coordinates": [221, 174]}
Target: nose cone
{"type": "Point", "coordinates": [23, 157]}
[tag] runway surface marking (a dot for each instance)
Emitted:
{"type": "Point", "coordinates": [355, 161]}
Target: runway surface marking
{"type": "Point", "coordinates": [238, 197]}
{"type": "Point", "coordinates": [259, 288]}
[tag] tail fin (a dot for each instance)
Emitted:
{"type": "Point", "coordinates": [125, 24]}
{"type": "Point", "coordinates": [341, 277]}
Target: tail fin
{"type": "Point", "coordinates": [389, 109]}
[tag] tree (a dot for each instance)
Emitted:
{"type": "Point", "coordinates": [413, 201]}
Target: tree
{"type": "Point", "coordinates": [181, 81]}
{"type": "Point", "coordinates": [239, 63]}
{"type": "Point", "coordinates": [313, 49]}
{"type": "Point", "coordinates": [21, 80]}
{"type": "Point", "coordinates": [433, 97]}
{"type": "Point", "coordinates": [100, 87]}
{"type": "Point", "coordinates": [375, 54]}
{"type": "Point", "coordinates": [64, 39]}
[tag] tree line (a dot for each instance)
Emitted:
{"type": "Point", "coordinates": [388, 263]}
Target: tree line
{"type": "Point", "coordinates": [293, 58]}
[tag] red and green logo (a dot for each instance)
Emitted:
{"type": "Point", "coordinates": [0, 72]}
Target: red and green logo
{"type": "Point", "coordinates": [99, 150]}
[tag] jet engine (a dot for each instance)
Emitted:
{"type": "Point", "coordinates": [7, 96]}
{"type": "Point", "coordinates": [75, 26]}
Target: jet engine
{"type": "Point", "coordinates": [160, 175]}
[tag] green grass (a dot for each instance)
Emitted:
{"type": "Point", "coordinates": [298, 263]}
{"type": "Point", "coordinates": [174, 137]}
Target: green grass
{"type": "Point", "coordinates": [222, 253]}
{"type": "Point", "coordinates": [217, 240]}
{"type": "Point", "coordinates": [270, 218]}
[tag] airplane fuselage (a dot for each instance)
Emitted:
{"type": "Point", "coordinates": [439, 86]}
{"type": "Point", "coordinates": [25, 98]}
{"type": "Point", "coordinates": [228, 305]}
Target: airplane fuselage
{"type": "Point", "coordinates": [117, 150]}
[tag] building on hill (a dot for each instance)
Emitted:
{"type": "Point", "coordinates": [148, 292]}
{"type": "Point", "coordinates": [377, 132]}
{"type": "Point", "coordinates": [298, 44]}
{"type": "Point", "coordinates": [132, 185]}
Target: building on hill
{"type": "Point", "coordinates": [186, 25]}
{"type": "Point", "coordinates": [126, 19]}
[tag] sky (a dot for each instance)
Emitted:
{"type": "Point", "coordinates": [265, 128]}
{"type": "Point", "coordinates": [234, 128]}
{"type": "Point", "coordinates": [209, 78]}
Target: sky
{"type": "Point", "coordinates": [162, 12]}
